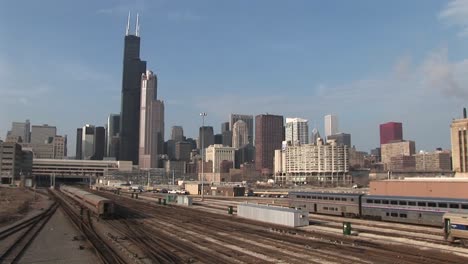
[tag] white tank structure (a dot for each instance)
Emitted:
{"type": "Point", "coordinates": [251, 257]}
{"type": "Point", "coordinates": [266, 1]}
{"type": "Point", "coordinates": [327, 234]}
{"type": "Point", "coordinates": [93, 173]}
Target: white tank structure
{"type": "Point", "coordinates": [273, 214]}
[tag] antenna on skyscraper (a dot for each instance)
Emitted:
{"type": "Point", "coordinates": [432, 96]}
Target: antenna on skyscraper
{"type": "Point", "coordinates": [128, 24]}
{"type": "Point", "coordinates": [137, 27]}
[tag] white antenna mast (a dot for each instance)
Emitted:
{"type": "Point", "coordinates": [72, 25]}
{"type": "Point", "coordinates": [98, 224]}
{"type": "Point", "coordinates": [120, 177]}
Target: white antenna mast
{"type": "Point", "coordinates": [128, 24]}
{"type": "Point", "coordinates": [137, 27]}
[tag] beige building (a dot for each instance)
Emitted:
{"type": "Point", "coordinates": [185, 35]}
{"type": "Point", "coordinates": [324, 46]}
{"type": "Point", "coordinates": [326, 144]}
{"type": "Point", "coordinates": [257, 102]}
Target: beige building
{"type": "Point", "coordinates": [438, 161]}
{"type": "Point", "coordinates": [217, 153]}
{"type": "Point", "coordinates": [458, 135]}
{"type": "Point", "coordinates": [240, 134]}
{"type": "Point", "coordinates": [305, 163]}
{"type": "Point", "coordinates": [54, 150]}
{"type": "Point", "coordinates": [395, 149]}
{"type": "Point", "coordinates": [151, 123]}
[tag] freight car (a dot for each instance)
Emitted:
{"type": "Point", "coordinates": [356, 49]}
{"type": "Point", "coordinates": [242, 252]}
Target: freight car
{"type": "Point", "coordinates": [411, 210]}
{"type": "Point", "coordinates": [101, 207]}
{"type": "Point", "coordinates": [456, 228]}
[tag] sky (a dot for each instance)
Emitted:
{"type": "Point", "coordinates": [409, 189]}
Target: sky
{"type": "Point", "coordinates": [369, 62]}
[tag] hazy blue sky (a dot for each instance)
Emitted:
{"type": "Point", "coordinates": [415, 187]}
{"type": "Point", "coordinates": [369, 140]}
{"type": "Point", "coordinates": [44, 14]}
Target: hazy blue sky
{"type": "Point", "coordinates": [369, 62]}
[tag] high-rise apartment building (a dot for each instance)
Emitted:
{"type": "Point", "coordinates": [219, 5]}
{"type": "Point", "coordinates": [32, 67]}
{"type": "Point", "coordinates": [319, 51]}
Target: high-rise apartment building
{"type": "Point", "coordinates": [177, 133]}
{"type": "Point", "coordinates": [208, 137]}
{"type": "Point", "coordinates": [248, 119]}
{"type": "Point", "coordinates": [240, 134]}
{"type": "Point", "coordinates": [113, 131]}
{"type": "Point", "coordinates": [269, 135]}
{"type": "Point", "coordinates": [396, 149]}
{"type": "Point", "coordinates": [391, 131]}
{"type": "Point", "coordinates": [459, 139]}
{"type": "Point", "coordinates": [43, 134]}
{"type": "Point", "coordinates": [21, 131]}
{"type": "Point", "coordinates": [297, 131]}
{"type": "Point", "coordinates": [331, 125]}
{"type": "Point", "coordinates": [151, 123]}
{"type": "Point", "coordinates": [133, 68]}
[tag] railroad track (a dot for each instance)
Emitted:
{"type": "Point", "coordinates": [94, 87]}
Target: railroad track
{"type": "Point", "coordinates": [251, 241]}
{"type": "Point", "coordinates": [30, 228]}
{"type": "Point", "coordinates": [104, 251]}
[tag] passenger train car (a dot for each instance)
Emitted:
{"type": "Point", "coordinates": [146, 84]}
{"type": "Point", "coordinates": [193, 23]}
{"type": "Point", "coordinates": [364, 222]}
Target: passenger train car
{"type": "Point", "coordinates": [102, 207]}
{"type": "Point", "coordinates": [411, 210]}
{"type": "Point", "coordinates": [456, 228]}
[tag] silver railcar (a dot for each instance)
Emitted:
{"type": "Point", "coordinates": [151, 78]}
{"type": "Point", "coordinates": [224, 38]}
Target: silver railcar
{"type": "Point", "coordinates": [340, 204]}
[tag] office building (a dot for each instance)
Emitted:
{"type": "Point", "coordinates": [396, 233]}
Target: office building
{"type": "Point", "coordinates": [314, 136]}
{"type": "Point", "coordinates": [459, 141]}
{"type": "Point", "coordinates": [225, 127]}
{"type": "Point", "coordinates": [113, 131]}
{"type": "Point", "coordinates": [79, 144]}
{"type": "Point", "coordinates": [341, 139]}
{"type": "Point", "coordinates": [217, 154]}
{"type": "Point", "coordinates": [240, 134]}
{"type": "Point", "coordinates": [391, 131]}
{"type": "Point", "coordinates": [227, 138]}
{"type": "Point", "coordinates": [14, 162]}
{"type": "Point", "coordinates": [99, 143]}
{"type": "Point", "coordinates": [248, 119]}
{"type": "Point", "coordinates": [396, 149]}
{"type": "Point", "coordinates": [218, 139]}
{"type": "Point", "coordinates": [331, 125]}
{"type": "Point", "coordinates": [208, 137]}
{"type": "Point", "coordinates": [183, 150]}
{"type": "Point", "coordinates": [133, 68]}
{"type": "Point", "coordinates": [43, 134]}
{"type": "Point", "coordinates": [21, 131]}
{"type": "Point", "coordinates": [87, 142]}
{"type": "Point", "coordinates": [177, 133]}
{"type": "Point", "coordinates": [269, 135]}
{"type": "Point", "coordinates": [245, 154]}
{"type": "Point", "coordinates": [437, 161]}
{"type": "Point", "coordinates": [151, 123]}
{"type": "Point", "coordinates": [297, 131]}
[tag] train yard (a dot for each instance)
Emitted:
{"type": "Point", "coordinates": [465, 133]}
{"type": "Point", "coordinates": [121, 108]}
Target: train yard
{"type": "Point", "coordinates": [145, 231]}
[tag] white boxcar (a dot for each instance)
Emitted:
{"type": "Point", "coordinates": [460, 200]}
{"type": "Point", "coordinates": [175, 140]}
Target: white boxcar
{"type": "Point", "coordinates": [273, 214]}
{"type": "Point", "coordinates": [184, 200]}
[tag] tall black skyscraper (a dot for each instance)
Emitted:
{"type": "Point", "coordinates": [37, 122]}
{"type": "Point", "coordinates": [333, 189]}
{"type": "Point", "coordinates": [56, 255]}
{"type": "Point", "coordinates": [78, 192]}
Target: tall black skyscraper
{"type": "Point", "coordinates": [133, 68]}
{"type": "Point", "coordinates": [79, 139]}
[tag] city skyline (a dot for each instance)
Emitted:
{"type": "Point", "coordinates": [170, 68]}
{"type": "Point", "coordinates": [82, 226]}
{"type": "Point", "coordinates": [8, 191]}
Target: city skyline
{"type": "Point", "coordinates": [422, 109]}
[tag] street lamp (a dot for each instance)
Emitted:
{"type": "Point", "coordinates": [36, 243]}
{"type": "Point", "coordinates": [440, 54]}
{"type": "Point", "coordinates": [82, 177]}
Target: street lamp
{"type": "Point", "coordinates": [203, 114]}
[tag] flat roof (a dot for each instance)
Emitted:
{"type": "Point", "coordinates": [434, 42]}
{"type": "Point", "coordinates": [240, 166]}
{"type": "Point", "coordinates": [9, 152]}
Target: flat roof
{"type": "Point", "coordinates": [327, 193]}
{"type": "Point", "coordinates": [442, 179]}
{"type": "Point", "coordinates": [272, 207]}
{"type": "Point", "coordinates": [410, 198]}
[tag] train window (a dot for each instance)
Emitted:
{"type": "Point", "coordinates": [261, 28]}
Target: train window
{"type": "Point", "coordinates": [393, 202]}
{"type": "Point", "coordinates": [343, 199]}
{"type": "Point", "coordinates": [319, 197]}
{"type": "Point", "coordinates": [325, 198]}
{"type": "Point", "coordinates": [377, 201]}
{"type": "Point", "coordinates": [403, 215]}
{"type": "Point", "coordinates": [331, 198]}
{"type": "Point", "coordinates": [422, 204]}
{"type": "Point", "coordinates": [387, 214]}
{"type": "Point", "coordinates": [455, 206]}
{"type": "Point", "coordinates": [403, 203]}
{"type": "Point", "coordinates": [370, 201]}
{"type": "Point", "coordinates": [412, 203]}
{"type": "Point", "coordinates": [394, 214]}
{"type": "Point", "coordinates": [385, 201]}
{"type": "Point", "coordinates": [325, 208]}
{"type": "Point", "coordinates": [431, 204]}
{"type": "Point", "coordinates": [352, 200]}
{"type": "Point", "coordinates": [314, 197]}
{"type": "Point", "coordinates": [442, 205]}
{"type": "Point", "coordinates": [464, 206]}
{"type": "Point", "coordinates": [308, 197]}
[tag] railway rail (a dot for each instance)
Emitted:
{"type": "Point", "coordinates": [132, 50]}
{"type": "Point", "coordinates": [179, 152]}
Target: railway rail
{"type": "Point", "coordinates": [250, 242]}
{"type": "Point", "coordinates": [106, 253]}
{"type": "Point", "coordinates": [28, 230]}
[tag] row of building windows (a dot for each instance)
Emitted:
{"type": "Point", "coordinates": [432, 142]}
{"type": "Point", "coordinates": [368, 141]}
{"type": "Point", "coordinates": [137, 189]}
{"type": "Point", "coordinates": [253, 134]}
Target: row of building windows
{"type": "Point", "coordinates": [420, 204]}
{"type": "Point", "coordinates": [324, 198]}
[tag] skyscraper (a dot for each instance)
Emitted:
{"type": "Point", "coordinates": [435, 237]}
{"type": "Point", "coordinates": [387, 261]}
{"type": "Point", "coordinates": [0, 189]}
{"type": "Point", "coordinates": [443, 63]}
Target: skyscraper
{"type": "Point", "coordinates": [341, 139]}
{"type": "Point", "coordinates": [224, 127]}
{"type": "Point", "coordinates": [151, 123]}
{"type": "Point", "coordinates": [177, 133]}
{"type": "Point", "coordinates": [331, 125]}
{"type": "Point", "coordinates": [391, 131]}
{"type": "Point", "coordinates": [269, 134]}
{"type": "Point", "coordinates": [133, 68]}
{"type": "Point", "coordinates": [314, 136]}
{"type": "Point", "coordinates": [297, 131]}
{"type": "Point", "coordinates": [87, 145]}
{"type": "Point", "coordinates": [208, 137]}
{"type": "Point", "coordinates": [99, 143]}
{"type": "Point", "coordinates": [113, 130]}
{"type": "Point", "coordinates": [79, 142]}
{"type": "Point", "coordinates": [248, 119]}
{"type": "Point", "coordinates": [240, 134]}
{"type": "Point", "coordinates": [21, 130]}
{"type": "Point", "coordinates": [43, 134]}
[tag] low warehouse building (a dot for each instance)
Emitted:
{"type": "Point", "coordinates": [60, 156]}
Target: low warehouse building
{"type": "Point", "coordinates": [422, 187]}
{"type": "Point", "coordinates": [273, 214]}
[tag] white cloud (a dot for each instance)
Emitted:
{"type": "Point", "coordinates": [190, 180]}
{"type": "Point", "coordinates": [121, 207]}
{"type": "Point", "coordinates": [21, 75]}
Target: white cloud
{"type": "Point", "coordinates": [455, 13]}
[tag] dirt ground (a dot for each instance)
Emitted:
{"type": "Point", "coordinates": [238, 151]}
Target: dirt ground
{"type": "Point", "coordinates": [15, 203]}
